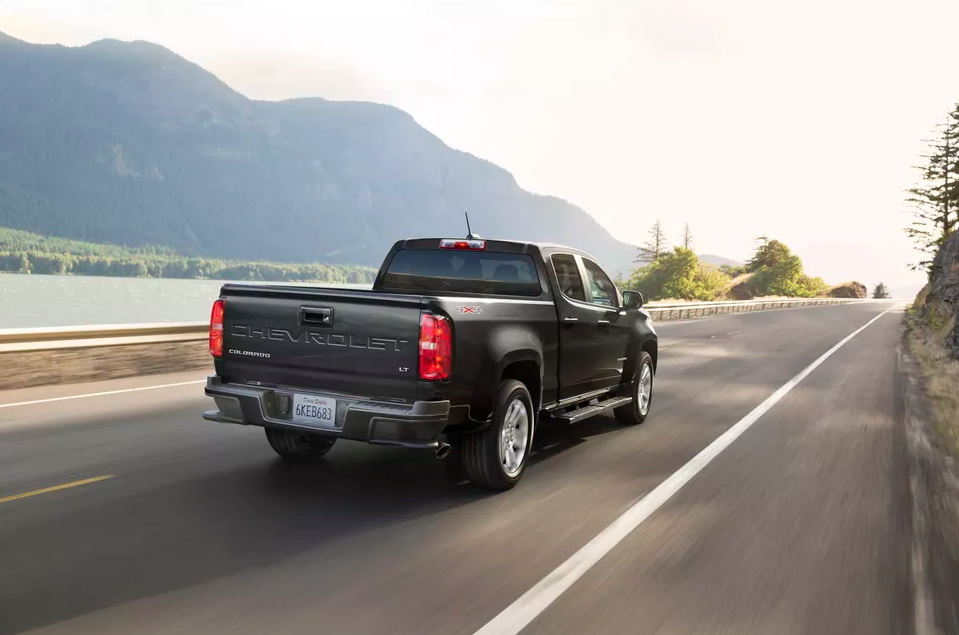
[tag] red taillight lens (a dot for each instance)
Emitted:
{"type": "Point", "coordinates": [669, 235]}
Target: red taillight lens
{"type": "Point", "coordinates": [216, 329]}
{"type": "Point", "coordinates": [436, 347]}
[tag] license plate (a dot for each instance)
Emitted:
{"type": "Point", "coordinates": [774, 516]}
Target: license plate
{"type": "Point", "coordinates": [314, 411]}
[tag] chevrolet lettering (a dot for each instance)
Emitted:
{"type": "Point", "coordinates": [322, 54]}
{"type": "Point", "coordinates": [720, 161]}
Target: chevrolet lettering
{"type": "Point", "coordinates": [478, 342]}
{"type": "Point", "coordinates": [320, 339]}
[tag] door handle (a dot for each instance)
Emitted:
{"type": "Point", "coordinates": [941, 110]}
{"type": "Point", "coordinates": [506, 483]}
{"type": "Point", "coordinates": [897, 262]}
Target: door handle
{"type": "Point", "coordinates": [570, 320]}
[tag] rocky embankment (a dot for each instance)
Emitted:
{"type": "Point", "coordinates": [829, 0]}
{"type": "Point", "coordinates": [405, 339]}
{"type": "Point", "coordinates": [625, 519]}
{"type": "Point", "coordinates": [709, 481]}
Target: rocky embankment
{"type": "Point", "coordinates": [848, 290]}
{"type": "Point", "coordinates": [939, 306]}
{"type": "Point", "coordinates": [742, 288]}
{"type": "Point", "coordinates": [929, 367]}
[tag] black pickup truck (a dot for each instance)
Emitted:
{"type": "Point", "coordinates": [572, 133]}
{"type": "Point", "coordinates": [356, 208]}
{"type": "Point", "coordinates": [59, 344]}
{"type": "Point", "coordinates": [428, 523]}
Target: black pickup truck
{"type": "Point", "coordinates": [462, 345]}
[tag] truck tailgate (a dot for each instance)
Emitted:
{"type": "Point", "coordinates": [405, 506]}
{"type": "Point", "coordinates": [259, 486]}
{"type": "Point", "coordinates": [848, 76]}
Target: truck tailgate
{"type": "Point", "coordinates": [347, 341]}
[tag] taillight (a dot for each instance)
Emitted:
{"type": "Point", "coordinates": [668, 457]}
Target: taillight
{"type": "Point", "coordinates": [436, 347]}
{"type": "Point", "coordinates": [216, 329]}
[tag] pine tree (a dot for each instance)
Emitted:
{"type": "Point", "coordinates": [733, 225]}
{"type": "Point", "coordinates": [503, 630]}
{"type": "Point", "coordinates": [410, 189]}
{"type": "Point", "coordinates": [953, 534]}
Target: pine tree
{"type": "Point", "coordinates": [880, 292]}
{"type": "Point", "coordinates": [687, 237]}
{"type": "Point", "coordinates": [653, 249]}
{"type": "Point", "coordinates": [936, 202]}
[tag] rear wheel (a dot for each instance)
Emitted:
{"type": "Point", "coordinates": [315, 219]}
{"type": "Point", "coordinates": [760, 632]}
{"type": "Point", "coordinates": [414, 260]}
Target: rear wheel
{"type": "Point", "coordinates": [298, 446]}
{"type": "Point", "coordinates": [641, 390]}
{"type": "Point", "coordinates": [496, 457]}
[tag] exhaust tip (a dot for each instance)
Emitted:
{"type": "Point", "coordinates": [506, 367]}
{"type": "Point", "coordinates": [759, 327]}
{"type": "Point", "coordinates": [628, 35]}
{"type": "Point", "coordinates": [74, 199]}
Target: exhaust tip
{"type": "Point", "coordinates": [443, 451]}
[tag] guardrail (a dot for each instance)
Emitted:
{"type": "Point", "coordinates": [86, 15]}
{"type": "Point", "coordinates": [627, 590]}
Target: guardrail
{"type": "Point", "coordinates": [680, 311]}
{"type": "Point", "coordinates": [39, 339]}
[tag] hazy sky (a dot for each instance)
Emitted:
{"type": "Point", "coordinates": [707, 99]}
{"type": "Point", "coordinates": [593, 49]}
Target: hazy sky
{"type": "Point", "coordinates": [798, 118]}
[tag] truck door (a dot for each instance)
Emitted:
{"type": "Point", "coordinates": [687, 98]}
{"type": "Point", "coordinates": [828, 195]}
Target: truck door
{"type": "Point", "coordinates": [582, 353]}
{"type": "Point", "coordinates": [614, 325]}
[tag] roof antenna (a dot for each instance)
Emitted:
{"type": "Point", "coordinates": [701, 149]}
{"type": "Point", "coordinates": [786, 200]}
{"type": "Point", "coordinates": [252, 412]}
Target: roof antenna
{"type": "Point", "coordinates": [469, 232]}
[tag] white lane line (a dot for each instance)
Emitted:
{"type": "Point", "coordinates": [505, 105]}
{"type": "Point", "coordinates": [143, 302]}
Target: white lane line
{"type": "Point", "coordinates": [101, 394]}
{"type": "Point", "coordinates": [524, 610]}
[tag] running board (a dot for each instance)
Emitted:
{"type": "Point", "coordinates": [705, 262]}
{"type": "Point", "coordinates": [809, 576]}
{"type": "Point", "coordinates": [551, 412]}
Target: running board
{"type": "Point", "coordinates": [578, 414]}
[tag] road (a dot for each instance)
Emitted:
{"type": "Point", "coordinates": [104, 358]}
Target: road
{"type": "Point", "coordinates": [800, 525]}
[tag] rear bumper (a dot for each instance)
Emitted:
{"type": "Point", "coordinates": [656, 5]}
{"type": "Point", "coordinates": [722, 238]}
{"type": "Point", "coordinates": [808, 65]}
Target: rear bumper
{"type": "Point", "coordinates": [416, 425]}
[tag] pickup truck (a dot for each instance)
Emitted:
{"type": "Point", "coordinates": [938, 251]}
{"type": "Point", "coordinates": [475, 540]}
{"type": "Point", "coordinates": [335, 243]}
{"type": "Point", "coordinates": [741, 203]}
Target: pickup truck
{"type": "Point", "coordinates": [461, 345]}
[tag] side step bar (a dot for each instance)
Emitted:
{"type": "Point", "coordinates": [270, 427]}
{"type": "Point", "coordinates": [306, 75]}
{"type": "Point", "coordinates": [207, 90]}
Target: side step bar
{"type": "Point", "coordinates": [590, 410]}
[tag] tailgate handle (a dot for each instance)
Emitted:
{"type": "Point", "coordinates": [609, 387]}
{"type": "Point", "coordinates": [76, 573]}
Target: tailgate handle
{"type": "Point", "coordinates": [316, 316]}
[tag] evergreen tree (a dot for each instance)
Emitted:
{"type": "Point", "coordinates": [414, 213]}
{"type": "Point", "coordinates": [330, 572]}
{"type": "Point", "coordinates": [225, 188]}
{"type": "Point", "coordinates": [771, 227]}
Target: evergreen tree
{"type": "Point", "coordinates": [936, 201]}
{"type": "Point", "coordinates": [687, 237]}
{"type": "Point", "coordinates": [653, 249]}
{"type": "Point", "coordinates": [880, 292]}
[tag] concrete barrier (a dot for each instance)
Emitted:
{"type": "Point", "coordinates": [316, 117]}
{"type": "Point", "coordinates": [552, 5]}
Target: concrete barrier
{"type": "Point", "coordinates": [65, 355]}
{"type": "Point", "coordinates": [47, 367]}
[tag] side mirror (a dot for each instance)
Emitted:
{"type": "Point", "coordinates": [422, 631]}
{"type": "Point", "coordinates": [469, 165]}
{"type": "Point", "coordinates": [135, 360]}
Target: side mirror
{"type": "Point", "coordinates": [632, 299]}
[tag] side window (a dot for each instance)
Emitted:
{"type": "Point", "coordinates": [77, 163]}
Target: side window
{"type": "Point", "coordinates": [601, 288]}
{"type": "Point", "coordinates": [570, 282]}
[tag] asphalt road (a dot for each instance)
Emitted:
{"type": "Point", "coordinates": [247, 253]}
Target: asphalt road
{"type": "Point", "coordinates": [801, 525]}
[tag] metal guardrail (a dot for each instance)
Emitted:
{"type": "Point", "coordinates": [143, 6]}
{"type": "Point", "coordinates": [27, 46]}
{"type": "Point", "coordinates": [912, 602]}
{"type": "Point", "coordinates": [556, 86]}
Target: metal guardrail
{"type": "Point", "coordinates": [786, 301]}
{"type": "Point", "coordinates": [39, 339]}
{"type": "Point", "coordinates": [680, 311]}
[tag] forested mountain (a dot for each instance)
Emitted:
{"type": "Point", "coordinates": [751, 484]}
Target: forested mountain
{"type": "Point", "coordinates": [130, 144]}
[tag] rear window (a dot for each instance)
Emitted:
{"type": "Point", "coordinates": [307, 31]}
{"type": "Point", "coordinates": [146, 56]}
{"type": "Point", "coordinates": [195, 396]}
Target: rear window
{"type": "Point", "coordinates": [484, 272]}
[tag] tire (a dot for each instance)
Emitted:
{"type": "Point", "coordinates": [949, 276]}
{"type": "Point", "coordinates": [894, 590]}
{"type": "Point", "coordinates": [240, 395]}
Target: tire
{"type": "Point", "coordinates": [636, 411]}
{"type": "Point", "coordinates": [486, 461]}
{"type": "Point", "coordinates": [298, 447]}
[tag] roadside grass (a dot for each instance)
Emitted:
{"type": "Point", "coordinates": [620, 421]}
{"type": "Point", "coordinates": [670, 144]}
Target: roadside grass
{"type": "Point", "coordinates": [926, 333]}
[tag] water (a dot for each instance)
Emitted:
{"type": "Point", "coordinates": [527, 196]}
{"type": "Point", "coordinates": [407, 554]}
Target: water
{"type": "Point", "coordinates": [40, 300]}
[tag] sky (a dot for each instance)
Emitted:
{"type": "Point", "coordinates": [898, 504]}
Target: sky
{"type": "Point", "coordinates": [798, 119]}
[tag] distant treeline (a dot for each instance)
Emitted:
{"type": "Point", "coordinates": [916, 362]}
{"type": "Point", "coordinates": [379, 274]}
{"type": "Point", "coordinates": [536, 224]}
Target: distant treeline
{"type": "Point", "coordinates": [24, 252]}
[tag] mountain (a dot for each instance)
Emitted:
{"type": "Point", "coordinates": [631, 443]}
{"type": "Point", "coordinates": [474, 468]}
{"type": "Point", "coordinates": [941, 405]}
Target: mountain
{"type": "Point", "coordinates": [127, 143]}
{"type": "Point", "coordinates": [718, 261]}
{"type": "Point", "coordinates": [6, 39]}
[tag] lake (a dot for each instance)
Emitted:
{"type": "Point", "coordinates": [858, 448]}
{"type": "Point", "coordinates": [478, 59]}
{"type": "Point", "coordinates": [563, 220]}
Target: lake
{"type": "Point", "coordinates": [40, 300]}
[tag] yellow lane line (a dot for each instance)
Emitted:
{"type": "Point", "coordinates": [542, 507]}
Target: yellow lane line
{"type": "Point", "coordinates": [55, 488]}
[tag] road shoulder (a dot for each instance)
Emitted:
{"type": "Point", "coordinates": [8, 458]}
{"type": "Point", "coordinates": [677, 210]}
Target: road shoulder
{"type": "Point", "coordinates": [934, 485]}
